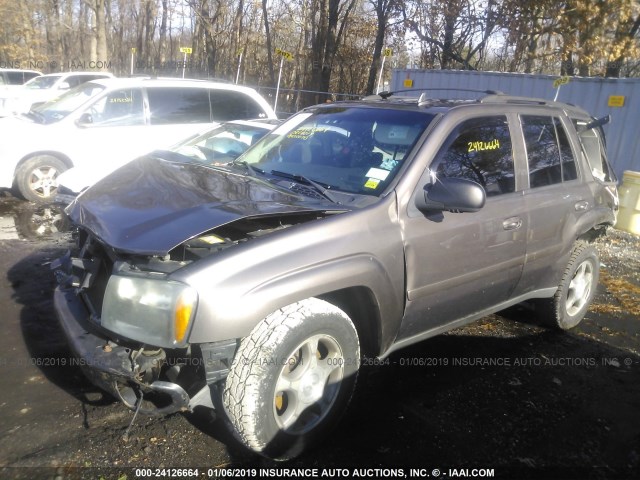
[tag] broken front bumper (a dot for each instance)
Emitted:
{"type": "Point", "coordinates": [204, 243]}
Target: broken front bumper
{"type": "Point", "coordinates": [113, 367]}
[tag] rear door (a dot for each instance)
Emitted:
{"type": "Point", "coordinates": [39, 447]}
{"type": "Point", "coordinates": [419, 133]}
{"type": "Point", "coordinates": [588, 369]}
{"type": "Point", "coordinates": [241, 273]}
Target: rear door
{"type": "Point", "coordinates": [459, 264]}
{"type": "Point", "coordinates": [555, 197]}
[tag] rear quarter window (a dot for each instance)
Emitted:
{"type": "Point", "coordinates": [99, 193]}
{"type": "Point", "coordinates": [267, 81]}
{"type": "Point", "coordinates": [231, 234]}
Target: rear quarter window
{"type": "Point", "coordinates": [592, 142]}
{"type": "Point", "coordinates": [231, 105]}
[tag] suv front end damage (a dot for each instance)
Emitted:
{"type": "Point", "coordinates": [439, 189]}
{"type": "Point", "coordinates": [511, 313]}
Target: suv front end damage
{"type": "Point", "coordinates": [158, 377]}
{"type": "Point", "coordinates": [127, 318]}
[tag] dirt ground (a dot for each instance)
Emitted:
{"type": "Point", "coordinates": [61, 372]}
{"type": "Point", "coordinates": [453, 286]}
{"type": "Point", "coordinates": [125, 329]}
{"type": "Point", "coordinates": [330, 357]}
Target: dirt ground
{"type": "Point", "coordinates": [503, 396]}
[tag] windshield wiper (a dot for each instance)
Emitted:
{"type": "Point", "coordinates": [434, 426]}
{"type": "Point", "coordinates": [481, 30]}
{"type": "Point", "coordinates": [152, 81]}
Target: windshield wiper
{"type": "Point", "coordinates": [301, 178]}
{"type": "Point", "coordinates": [253, 171]}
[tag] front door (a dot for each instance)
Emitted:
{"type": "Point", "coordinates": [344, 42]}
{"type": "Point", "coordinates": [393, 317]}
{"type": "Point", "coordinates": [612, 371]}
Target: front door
{"type": "Point", "coordinates": [459, 264]}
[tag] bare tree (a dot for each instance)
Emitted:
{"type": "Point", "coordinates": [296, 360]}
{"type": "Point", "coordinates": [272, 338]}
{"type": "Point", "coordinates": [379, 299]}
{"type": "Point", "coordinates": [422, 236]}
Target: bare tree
{"type": "Point", "coordinates": [329, 21]}
{"type": "Point", "coordinates": [383, 9]}
{"type": "Point", "coordinates": [457, 31]}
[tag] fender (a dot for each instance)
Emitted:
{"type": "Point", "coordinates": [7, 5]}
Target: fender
{"type": "Point", "coordinates": [235, 317]}
{"type": "Point", "coordinates": [252, 280]}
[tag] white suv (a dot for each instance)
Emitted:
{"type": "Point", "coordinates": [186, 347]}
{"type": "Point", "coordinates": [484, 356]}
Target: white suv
{"type": "Point", "coordinates": [105, 123]}
{"type": "Point", "coordinates": [47, 87]}
{"type": "Point", "coordinates": [12, 79]}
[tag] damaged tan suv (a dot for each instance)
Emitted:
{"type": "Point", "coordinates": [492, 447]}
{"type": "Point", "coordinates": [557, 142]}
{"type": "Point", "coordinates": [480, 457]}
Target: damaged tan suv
{"type": "Point", "coordinates": [351, 230]}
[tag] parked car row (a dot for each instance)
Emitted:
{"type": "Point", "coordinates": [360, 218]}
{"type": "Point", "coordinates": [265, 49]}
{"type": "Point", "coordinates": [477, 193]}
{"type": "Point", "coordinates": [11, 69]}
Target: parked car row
{"type": "Point", "coordinates": [102, 124]}
{"type": "Point", "coordinates": [43, 88]}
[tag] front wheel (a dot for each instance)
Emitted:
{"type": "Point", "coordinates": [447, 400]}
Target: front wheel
{"type": "Point", "coordinates": [292, 378]}
{"type": "Point", "coordinates": [36, 179]}
{"type": "Point", "coordinates": [576, 290]}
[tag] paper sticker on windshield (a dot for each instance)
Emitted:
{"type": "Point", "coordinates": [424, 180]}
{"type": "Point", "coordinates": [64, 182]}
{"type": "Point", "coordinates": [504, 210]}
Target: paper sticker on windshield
{"type": "Point", "coordinates": [305, 132]}
{"type": "Point", "coordinates": [372, 183]}
{"type": "Point", "coordinates": [378, 173]}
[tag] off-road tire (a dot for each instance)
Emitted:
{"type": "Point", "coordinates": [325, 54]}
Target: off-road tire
{"type": "Point", "coordinates": [292, 378]}
{"type": "Point", "coordinates": [36, 178]}
{"type": "Point", "coordinates": [576, 289]}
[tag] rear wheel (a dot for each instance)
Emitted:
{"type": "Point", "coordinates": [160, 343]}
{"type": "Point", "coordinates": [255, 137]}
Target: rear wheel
{"type": "Point", "coordinates": [292, 378]}
{"type": "Point", "coordinates": [36, 179]}
{"type": "Point", "coordinates": [576, 290]}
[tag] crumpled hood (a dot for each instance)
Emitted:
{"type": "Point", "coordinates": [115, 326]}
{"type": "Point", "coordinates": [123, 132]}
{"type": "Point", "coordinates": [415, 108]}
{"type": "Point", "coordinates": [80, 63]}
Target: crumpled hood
{"type": "Point", "coordinates": [151, 205]}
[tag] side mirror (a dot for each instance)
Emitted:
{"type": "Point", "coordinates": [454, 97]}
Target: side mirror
{"type": "Point", "coordinates": [451, 194]}
{"type": "Point", "coordinates": [64, 86]}
{"type": "Point", "coordinates": [85, 120]}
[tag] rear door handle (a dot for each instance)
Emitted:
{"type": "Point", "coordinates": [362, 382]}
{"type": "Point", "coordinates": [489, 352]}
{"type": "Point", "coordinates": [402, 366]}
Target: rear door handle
{"type": "Point", "coordinates": [513, 223]}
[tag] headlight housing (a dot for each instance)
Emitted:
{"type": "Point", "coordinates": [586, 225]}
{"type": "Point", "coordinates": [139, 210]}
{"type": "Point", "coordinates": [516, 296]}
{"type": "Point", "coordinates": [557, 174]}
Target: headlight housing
{"type": "Point", "coordinates": [151, 311]}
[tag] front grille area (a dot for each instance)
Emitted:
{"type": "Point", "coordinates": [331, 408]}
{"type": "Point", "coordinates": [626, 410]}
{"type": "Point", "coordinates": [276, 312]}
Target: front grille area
{"type": "Point", "coordinates": [91, 270]}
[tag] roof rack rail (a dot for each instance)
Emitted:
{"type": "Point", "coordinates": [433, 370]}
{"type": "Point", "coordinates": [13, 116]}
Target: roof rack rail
{"type": "Point", "coordinates": [423, 96]}
{"type": "Point", "coordinates": [502, 98]}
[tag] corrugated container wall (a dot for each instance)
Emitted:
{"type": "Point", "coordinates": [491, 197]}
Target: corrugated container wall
{"type": "Point", "coordinates": [592, 94]}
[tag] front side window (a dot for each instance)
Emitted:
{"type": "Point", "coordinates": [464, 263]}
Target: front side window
{"type": "Point", "coordinates": [118, 108]}
{"type": "Point", "coordinates": [549, 153]}
{"type": "Point", "coordinates": [60, 107]}
{"type": "Point", "coordinates": [479, 150]}
{"type": "Point", "coordinates": [178, 105]}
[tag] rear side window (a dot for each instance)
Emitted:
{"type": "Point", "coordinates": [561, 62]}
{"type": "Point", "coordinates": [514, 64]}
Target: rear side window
{"type": "Point", "coordinates": [230, 105]}
{"type": "Point", "coordinates": [479, 150]}
{"type": "Point", "coordinates": [18, 78]}
{"type": "Point", "coordinates": [548, 151]}
{"type": "Point", "coordinates": [174, 105]}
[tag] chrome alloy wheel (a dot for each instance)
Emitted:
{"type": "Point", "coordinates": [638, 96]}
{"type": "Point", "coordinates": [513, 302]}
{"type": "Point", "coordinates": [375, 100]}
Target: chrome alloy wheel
{"type": "Point", "coordinates": [308, 384]}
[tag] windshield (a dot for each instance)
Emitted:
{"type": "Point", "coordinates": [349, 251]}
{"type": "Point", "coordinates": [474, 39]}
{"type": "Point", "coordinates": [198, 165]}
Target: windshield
{"type": "Point", "coordinates": [352, 149]}
{"type": "Point", "coordinates": [221, 144]}
{"type": "Point", "coordinates": [58, 108]}
{"type": "Point", "coordinates": [41, 83]}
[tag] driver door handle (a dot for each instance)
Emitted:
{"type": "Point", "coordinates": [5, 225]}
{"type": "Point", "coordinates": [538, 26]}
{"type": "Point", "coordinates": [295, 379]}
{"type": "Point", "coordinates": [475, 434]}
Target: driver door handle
{"type": "Point", "coordinates": [513, 223]}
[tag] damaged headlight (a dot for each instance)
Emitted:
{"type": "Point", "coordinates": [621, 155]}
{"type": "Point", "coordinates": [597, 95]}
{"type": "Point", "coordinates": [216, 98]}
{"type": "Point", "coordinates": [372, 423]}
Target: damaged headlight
{"type": "Point", "coordinates": [155, 312]}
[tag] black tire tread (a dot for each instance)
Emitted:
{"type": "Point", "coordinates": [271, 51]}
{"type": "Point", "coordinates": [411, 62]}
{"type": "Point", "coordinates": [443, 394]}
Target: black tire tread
{"type": "Point", "coordinates": [550, 310]}
{"type": "Point", "coordinates": [246, 370]}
